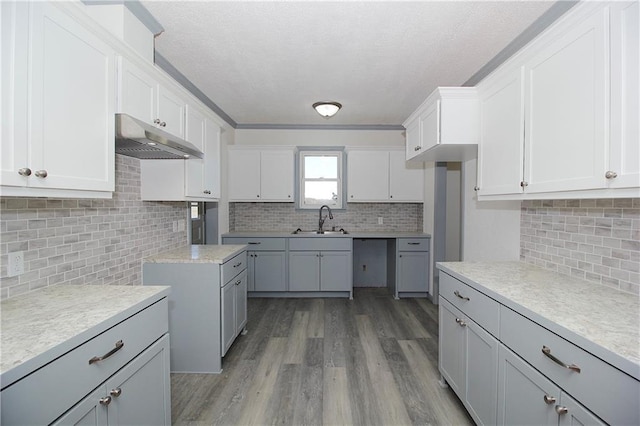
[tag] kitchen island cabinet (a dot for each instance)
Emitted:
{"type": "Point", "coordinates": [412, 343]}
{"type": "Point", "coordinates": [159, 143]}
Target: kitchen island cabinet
{"type": "Point", "coordinates": [266, 262]}
{"type": "Point", "coordinates": [561, 341]}
{"type": "Point", "coordinates": [107, 342]}
{"type": "Point", "coordinates": [200, 277]}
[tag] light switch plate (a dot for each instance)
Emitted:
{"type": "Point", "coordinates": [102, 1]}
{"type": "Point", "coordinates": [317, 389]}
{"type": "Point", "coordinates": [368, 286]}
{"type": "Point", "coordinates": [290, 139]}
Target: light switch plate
{"type": "Point", "coordinates": [15, 264]}
{"type": "Point", "coordinates": [380, 220]}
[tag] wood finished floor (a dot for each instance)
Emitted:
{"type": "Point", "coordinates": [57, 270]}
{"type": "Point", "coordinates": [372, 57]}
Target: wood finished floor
{"type": "Point", "coordinates": [372, 360]}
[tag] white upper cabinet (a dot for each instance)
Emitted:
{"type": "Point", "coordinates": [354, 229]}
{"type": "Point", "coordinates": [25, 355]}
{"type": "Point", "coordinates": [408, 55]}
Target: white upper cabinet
{"type": "Point", "coordinates": [624, 163]}
{"type": "Point", "coordinates": [444, 127]}
{"type": "Point", "coordinates": [560, 119]}
{"type": "Point", "coordinates": [58, 105]}
{"type": "Point", "coordinates": [257, 174]}
{"type": "Point", "coordinates": [383, 176]}
{"type": "Point", "coordinates": [144, 96]}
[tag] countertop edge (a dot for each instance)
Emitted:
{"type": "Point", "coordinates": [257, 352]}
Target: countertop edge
{"type": "Point", "coordinates": [16, 373]}
{"type": "Point", "coordinates": [356, 234]}
{"type": "Point", "coordinates": [186, 254]}
{"type": "Point", "coordinates": [618, 361]}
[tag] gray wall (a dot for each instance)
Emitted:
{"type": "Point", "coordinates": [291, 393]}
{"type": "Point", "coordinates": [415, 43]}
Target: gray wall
{"type": "Point", "coordinates": [597, 240]}
{"type": "Point", "coordinates": [73, 241]}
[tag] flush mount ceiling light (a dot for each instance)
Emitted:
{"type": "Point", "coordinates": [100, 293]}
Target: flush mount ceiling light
{"type": "Point", "coordinates": [327, 109]}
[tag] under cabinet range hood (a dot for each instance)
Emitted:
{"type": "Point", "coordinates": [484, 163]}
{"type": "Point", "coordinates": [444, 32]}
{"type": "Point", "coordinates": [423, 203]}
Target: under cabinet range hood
{"type": "Point", "coordinates": [138, 139]}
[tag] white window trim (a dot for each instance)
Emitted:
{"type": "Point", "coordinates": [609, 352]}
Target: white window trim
{"type": "Point", "coordinates": [301, 180]}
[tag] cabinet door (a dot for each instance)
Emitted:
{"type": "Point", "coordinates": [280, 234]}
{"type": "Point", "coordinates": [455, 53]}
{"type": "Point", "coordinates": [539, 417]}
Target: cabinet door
{"type": "Point", "coordinates": [228, 315]}
{"type": "Point", "coordinates": [71, 104]}
{"type": "Point", "coordinates": [211, 160]}
{"type": "Point", "coordinates": [336, 269]}
{"type": "Point", "coordinates": [137, 92]}
{"type": "Point", "coordinates": [244, 175]}
{"type": "Point", "coordinates": [576, 414]}
{"type": "Point", "coordinates": [304, 271]}
{"type": "Point", "coordinates": [171, 111]}
{"type": "Point", "coordinates": [522, 391]}
{"type": "Point", "coordinates": [269, 271]}
{"type": "Point", "coordinates": [406, 180]}
{"type": "Point", "coordinates": [412, 138]}
{"type": "Point", "coordinates": [88, 412]}
{"type": "Point", "coordinates": [566, 110]}
{"type": "Point", "coordinates": [195, 167]}
{"type": "Point", "coordinates": [501, 147]}
{"type": "Point", "coordinates": [368, 176]}
{"type": "Point", "coordinates": [413, 271]}
{"type": "Point", "coordinates": [625, 94]}
{"type": "Point", "coordinates": [251, 269]}
{"type": "Point", "coordinates": [451, 348]}
{"type": "Point", "coordinates": [241, 303]}
{"type": "Point", "coordinates": [276, 176]}
{"type": "Point", "coordinates": [14, 41]}
{"type": "Point", "coordinates": [481, 386]}
{"type": "Point", "coordinates": [140, 392]}
{"type": "Point", "coordinates": [430, 126]}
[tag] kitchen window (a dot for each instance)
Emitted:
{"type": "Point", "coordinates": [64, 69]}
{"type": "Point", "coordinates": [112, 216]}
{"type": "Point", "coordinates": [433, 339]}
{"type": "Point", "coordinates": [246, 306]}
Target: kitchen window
{"type": "Point", "coordinates": [320, 179]}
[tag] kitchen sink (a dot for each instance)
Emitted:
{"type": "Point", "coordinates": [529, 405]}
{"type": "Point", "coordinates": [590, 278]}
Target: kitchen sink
{"type": "Point", "coordinates": [316, 232]}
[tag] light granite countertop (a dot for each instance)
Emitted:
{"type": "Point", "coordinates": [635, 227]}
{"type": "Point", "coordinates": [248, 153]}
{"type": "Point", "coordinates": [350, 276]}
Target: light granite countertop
{"type": "Point", "coordinates": [198, 254]}
{"type": "Point", "coordinates": [355, 234]}
{"type": "Point", "coordinates": [39, 326]}
{"type": "Point", "coordinates": [600, 319]}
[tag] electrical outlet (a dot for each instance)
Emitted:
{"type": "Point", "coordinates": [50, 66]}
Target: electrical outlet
{"type": "Point", "coordinates": [380, 221]}
{"type": "Point", "coordinates": [15, 264]}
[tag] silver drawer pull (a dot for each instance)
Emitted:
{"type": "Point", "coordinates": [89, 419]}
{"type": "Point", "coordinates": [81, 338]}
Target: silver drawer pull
{"type": "Point", "coordinates": [119, 345]}
{"type": "Point", "coordinates": [238, 282]}
{"type": "Point", "coordinates": [561, 409]}
{"type": "Point", "coordinates": [254, 242]}
{"type": "Point", "coordinates": [457, 293]}
{"type": "Point", "coordinates": [547, 352]}
{"type": "Point", "coordinates": [460, 322]}
{"type": "Point", "coordinates": [105, 401]}
{"type": "Point", "coordinates": [237, 264]}
{"type": "Point", "coordinates": [116, 392]}
{"type": "Point", "coordinates": [549, 399]}
{"type": "Point", "coordinates": [414, 244]}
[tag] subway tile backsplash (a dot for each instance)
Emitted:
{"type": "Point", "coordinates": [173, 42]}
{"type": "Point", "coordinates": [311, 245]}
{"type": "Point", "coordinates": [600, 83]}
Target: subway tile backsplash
{"type": "Point", "coordinates": [597, 240]}
{"type": "Point", "coordinates": [397, 217]}
{"type": "Point", "coordinates": [77, 241]}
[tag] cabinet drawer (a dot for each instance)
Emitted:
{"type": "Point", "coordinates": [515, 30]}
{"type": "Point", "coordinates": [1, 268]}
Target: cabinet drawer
{"type": "Point", "coordinates": [413, 244]}
{"type": "Point", "coordinates": [42, 396]}
{"type": "Point", "coordinates": [477, 306]}
{"type": "Point", "coordinates": [258, 244]}
{"type": "Point", "coordinates": [320, 243]}
{"type": "Point", "coordinates": [609, 393]}
{"type": "Point", "coordinates": [233, 267]}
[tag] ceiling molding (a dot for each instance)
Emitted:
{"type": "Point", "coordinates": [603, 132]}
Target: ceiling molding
{"type": "Point", "coordinates": [395, 127]}
{"type": "Point", "coordinates": [538, 26]}
{"type": "Point", "coordinates": [187, 84]}
{"type": "Point", "coordinates": [138, 10]}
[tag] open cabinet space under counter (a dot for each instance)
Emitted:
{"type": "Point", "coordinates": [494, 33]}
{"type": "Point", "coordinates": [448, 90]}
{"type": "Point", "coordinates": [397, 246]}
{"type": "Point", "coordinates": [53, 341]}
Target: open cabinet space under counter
{"type": "Point", "coordinates": [207, 305]}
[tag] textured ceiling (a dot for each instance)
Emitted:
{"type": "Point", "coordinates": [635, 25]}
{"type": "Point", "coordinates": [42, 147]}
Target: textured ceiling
{"type": "Point", "coordinates": [267, 62]}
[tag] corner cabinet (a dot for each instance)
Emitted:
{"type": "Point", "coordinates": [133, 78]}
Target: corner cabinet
{"type": "Point", "coordinates": [266, 263]}
{"type": "Point", "coordinates": [534, 141]}
{"type": "Point", "coordinates": [58, 103]}
{"type": "Point", "coordinates": [383, 176]}
{"type": "Point", "coordinates": [261, 175]}
{"type": "Point", "coordinates": [444, 127]}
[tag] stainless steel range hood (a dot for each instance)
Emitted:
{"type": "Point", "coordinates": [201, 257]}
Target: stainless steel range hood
{"type": "Point", "coordinates": [136, 138]}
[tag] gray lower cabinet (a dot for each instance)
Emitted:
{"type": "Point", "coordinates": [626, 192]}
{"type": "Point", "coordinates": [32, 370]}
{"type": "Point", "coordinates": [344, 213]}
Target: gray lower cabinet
{"type": "Point", "coordinates": [469, 362]}
{"type": "Point", "coordinates": [234, 309]}
{"type": "Point", "coordinates": [412, 274]}
{"type": "Point", "coordinates": [527, 397]}
{"type": "Point", "coordinates": [136, 395]}
{"type": "Point", "coordinates": [320, 271]}
{"type": "Point", "coordinates": [266, 263]}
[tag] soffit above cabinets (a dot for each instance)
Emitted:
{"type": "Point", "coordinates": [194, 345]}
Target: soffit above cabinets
{"type": "Point", "coordinates": [266, 63]}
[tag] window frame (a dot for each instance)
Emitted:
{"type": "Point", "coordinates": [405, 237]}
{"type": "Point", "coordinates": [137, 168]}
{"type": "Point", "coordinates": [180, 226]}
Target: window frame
{"type": "Point", "coordinates": [303, 152]}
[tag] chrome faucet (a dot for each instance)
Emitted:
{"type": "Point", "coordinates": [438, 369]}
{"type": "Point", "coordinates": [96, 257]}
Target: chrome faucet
{"type": "Point", "coordinates": [322, 219]}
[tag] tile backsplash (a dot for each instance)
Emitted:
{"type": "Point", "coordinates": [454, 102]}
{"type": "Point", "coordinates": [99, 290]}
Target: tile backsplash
{"type": "Point", "coordinates": [598, 240]}
{"type": "Point", "coordinates": [77, 241]}
{"type": "Point", "coordinates": [397, 217]}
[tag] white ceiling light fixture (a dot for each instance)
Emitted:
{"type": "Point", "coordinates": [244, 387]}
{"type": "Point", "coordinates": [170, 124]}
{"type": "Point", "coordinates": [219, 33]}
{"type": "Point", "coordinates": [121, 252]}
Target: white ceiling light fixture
{"type": "Point", "coordinates": [327, 109]}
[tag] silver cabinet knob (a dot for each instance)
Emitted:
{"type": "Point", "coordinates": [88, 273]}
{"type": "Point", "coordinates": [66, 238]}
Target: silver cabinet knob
{"type": "Point", "coordinates": [41, 173]}
{"type": "Point", "coordinates": [524, 183]}
{"type": "Point", "coordinates": [163, 124]}
{"type": "Point", "coordinates": [25, 171]}
{"type": "Point", "coordinates": [417, 148]}
{"type": "Point", "coordinates": [611, 175]}
{"type": "Point", "coordinates": [105, 401]}
{"type": "Point", "coordinates": [206, 191]}
{"type": "Point", "coordinates": [560, 409]}
{"type": "Point", "coordinates": [156, 121]}
{"type": "Point", "coordinates": [115, 392]}
{"type": "Point", "coordinates": [476, 188]}
{"type": "Point", "coordinates": [549, 399]}
{"type": "Point", "coordinates": [460, 322]}
{"type": "Point", "coordinates": [258, 195]}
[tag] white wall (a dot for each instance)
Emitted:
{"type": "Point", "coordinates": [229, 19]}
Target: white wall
{"type": "Point", "coordinates": [320, 137]}
{"type": "Point", "coordinates": [490, 229]}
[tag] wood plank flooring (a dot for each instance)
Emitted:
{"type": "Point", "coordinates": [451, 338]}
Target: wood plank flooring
{"type": "Point", "coordinates": [372, 360]}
